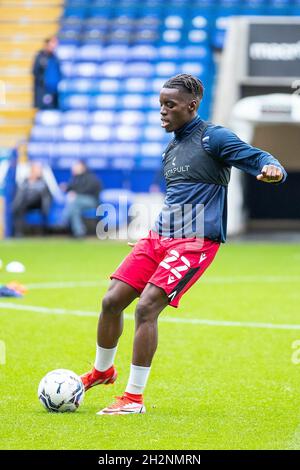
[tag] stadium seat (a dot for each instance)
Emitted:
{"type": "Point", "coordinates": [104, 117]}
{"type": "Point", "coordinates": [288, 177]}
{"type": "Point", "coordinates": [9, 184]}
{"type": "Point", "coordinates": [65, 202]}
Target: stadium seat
{"type": "Point", "coordinates": [48, 118]}
{"type": "Point", "coordinates": [103, 117]}
{"type": "Point", "coordinates": [76, 117]}
{"type": "Point", "coordinates": [128, 133]}
{"type": "Point", "coordinates": [99, 132]}
{"type": "Point", "coordinates": [44, 133]}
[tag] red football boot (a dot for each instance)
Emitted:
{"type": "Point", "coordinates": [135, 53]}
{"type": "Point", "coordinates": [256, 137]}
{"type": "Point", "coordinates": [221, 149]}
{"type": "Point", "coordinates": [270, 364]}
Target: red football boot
{"type": "Point", "coordinates": [96, 377]}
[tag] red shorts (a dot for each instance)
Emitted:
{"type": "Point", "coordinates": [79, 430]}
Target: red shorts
{"type": "Point", "coordinates": [173, 264]}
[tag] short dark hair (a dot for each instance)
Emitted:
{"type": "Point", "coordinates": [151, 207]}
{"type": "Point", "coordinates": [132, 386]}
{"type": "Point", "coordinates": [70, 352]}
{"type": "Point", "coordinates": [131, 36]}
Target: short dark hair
{"type": "Point", "coordinates": [47, 40]}
{"type": "Point", "coordinates": [186, 82]}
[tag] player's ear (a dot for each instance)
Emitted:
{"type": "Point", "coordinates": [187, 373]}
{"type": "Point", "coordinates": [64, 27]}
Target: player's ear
{"type": "Point", "coordinates": [193, 105]}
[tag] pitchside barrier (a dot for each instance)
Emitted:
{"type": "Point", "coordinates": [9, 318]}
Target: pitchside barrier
{"type": "Point", "coordinates": [8, 159]}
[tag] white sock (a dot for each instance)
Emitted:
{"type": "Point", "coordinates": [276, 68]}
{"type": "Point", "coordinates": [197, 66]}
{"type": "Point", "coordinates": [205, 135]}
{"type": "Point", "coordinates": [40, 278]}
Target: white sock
{"type": "Point", "coordinates": [104, 358]}
{"type": "Point", "coordinates": [137, 379]}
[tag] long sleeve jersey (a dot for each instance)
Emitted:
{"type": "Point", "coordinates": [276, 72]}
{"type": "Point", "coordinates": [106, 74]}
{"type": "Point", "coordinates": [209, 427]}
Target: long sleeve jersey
{"type": "Point", "coordinates": [197, 164]}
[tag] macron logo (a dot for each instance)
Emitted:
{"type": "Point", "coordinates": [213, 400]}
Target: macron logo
{"type": "Point", "coordinates": [202, 257]}
{"type": "Point", "coordinates": [171, 279]}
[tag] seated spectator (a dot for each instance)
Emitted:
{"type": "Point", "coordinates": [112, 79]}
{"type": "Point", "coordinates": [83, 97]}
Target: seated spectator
{"type": "Point", "coordinates": [82, 194]}
{"type": "Point", "coordinates": [32, 193]}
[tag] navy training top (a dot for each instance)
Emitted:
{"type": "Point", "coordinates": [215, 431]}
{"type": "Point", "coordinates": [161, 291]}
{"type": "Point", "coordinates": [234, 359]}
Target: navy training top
{"type": "Point", "coordinates": [196, 166]}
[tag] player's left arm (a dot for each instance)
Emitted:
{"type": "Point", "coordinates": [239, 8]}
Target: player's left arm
{"type": "Point", "coordinates": [223, 144]}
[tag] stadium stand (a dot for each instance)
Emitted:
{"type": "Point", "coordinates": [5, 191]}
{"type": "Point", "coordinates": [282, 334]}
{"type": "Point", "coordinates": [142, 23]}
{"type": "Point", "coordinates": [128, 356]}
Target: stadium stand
{"type": "Point", "coordinates": [115, 56]}
{"type": "Point", "coordinates": [23, 27]}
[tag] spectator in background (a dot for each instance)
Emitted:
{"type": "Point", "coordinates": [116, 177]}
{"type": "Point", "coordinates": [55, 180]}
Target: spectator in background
{"type": "Point", "coordinates": [32, 193]}
{"type": "Point", "coordinates": [47, 74]}
{"type": "Point", "coordinates": [82, 194]}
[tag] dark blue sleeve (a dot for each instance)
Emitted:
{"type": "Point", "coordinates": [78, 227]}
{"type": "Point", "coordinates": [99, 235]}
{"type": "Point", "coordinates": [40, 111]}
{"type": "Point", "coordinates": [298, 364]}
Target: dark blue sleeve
{"type": "Point", "coordinates": [224, 144]}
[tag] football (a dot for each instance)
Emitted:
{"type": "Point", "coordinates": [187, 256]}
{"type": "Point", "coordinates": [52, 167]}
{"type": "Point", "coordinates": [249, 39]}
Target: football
{"type": "Point", "coordinates": [61, 390]}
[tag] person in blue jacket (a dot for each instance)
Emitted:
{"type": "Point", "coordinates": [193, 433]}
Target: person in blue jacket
{"type": "Point", "coordinates": [47, 74]}
{"type": "Point", "coordinates": [165, 264]}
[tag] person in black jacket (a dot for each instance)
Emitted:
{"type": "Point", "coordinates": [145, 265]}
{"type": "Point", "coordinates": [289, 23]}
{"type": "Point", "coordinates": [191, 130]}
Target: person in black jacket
{"type": "Point", "coordinates": [47, 74]}
{"type": "Point", "coordinates": [32, 193]}
{"type": "Point", "coordinates": [82, 194]}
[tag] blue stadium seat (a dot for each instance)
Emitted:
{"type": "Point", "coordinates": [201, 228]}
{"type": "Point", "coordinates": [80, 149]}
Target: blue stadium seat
{"type": "Point", "coordinates": [76, 117]}
{"type": "Point", "coordinates": [75, 12]}
{"type": "Point", "coordinates": [142, 52]}
{"type": "Point", "coordinates": [67, 149]}
{"type": "Point", "coordinates": [114, 52]}
{"type": "Point", "coordinates": [93, 150]}
{"type": "Point", "coordinates": [131, 117]}
{"type": "Point", "coordinates": [66, 68]}
{"type": "Point", "coordinates": [66, 52]}
{"type": "Point", "coordinates": [128, 133]}
{"type": "Point", "coordinates": [153, 118]}
{"type": "Point", "coordinates": [154, 150]}
{"type": "Point", "coordinates": [279, 7]}
{"type": "Point", "coordinates": [145, 36]}
{"type": "Point", "coordinates": [75, 85]}
{"type": "Point", "coordinates": [44, 133]}
{"type": "Point", "coordinates": [169, 52]}
{"type": "Point", "coordinates": [158, 82]}
{"type": "Point", "coordinates": [73, 132]}
{"type": "Point", "coordinates": [40, 150]}
{"type": "Point", "coordinates": [154, 133]}
{"type": "Point", "coordinates": [153, 102]}
{"type": "Point", "coordinates": [85, 69]}
{"type": "Point", "coordinates": [35, 217]}
{"type": "Point", "coordinates": [107, 85]}
{"type": "Point", "coordinates": [105, 116]}
{"type": "Point", "coordinates": [112, 69]}
{"type": "Point", "coordinates": [135, 85]}
{"type": "Point", "coordinates": [121, 149]}
{"type": "Point", "coordinates": [198, 37]}
{"type": "Point", "coordinates": [90, 52]}
{"type": "Point", "coordinates": [166, 68]}
{"type": "Point", "coordinates": [104, 101]}
{"type": "Point", "coordinates": [48, 118]}
{"type": "Point", "coordinates": [99, 132]}
{"type": "Point", "coordinates": [138, 69]}
{"type": "Point", "coordinates": [75, 101]}
{"type": "Point", "coordinates": [171, 36]}
{"type": "Point", "coordinates": [132, 101]}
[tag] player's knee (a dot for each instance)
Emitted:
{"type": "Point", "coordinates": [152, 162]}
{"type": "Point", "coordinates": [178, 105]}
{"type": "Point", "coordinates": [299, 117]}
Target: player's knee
{"type": "Point", "coordinates": [110, 304]}
{"type": "Point", "coordinates": [145, 311]}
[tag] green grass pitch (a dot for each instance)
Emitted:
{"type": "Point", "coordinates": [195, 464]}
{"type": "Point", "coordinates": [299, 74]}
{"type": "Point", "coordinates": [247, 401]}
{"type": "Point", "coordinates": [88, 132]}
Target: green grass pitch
{"type": "Point", "coordinates": [213, 385]}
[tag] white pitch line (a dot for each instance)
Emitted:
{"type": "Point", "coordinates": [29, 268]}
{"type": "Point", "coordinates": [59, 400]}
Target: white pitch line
{"type": "Point", "coordinates": [249, 279]}
{"type": "Point", "coordinates": [193, 321]}
{"type": "Point", "coordinates": [66, 285]}
{"type": "Point", "coordinates": [207, 280]}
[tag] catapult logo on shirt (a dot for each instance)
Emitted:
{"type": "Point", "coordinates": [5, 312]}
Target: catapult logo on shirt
{"type": "Point", "coordinates": [177, 169]}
